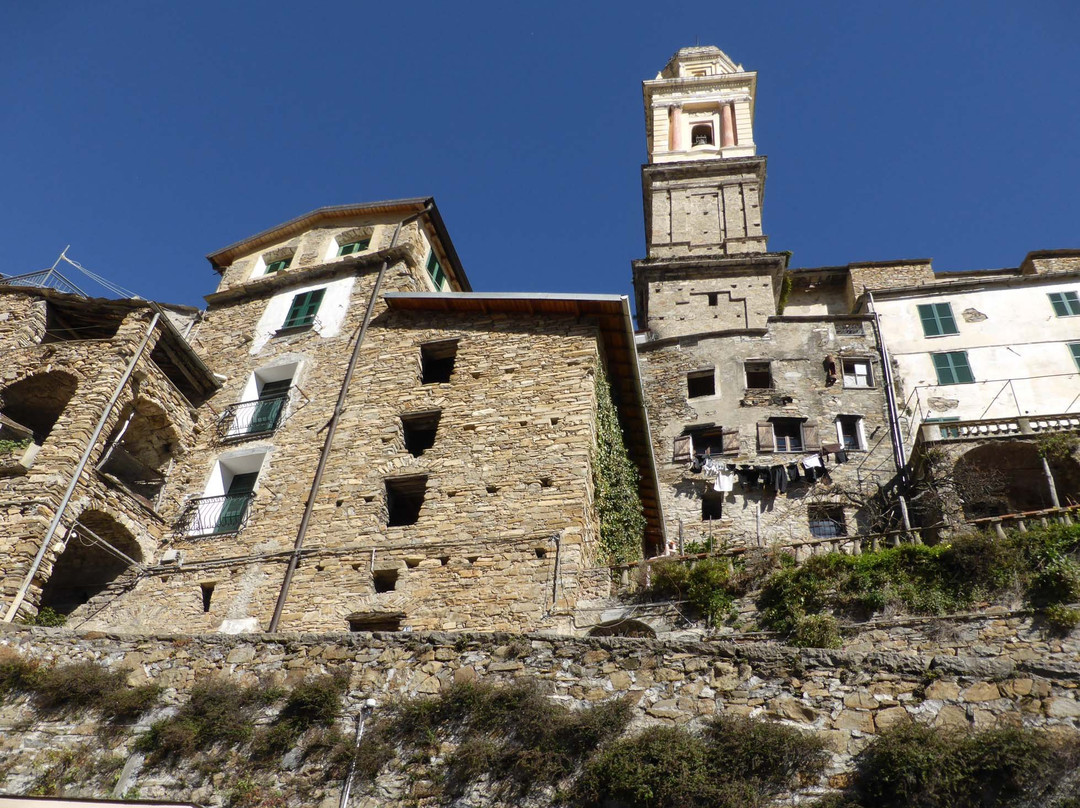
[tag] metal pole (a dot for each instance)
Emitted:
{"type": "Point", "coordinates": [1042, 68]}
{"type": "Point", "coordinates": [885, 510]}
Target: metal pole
{"type": "Point", "coordinates": [20, 596]}
{"type": "Point", "coordinates": [1050, 482]}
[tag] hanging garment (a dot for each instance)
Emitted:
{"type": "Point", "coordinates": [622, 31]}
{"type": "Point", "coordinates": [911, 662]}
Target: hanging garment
{"type": "Point", "coordinates": [793, 472]}
{"type": "Point", "coordinates": [696, 464]}
{"type": "Point", "coordinates": [841, 456]}
{"type": "Point", "coordinates": [725, 481]}
{"type": "Point", "coordinates": [812, 461]}
{"type": "Point", "coordinates": [747, 477]}
{"type": "Point", "coordinates": [712, 467]}
{"type": "Point", "coordinates": [779, 479]}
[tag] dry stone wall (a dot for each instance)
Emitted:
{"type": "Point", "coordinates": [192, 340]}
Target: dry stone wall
{"type": "Point", "coordinates": [846, 695]}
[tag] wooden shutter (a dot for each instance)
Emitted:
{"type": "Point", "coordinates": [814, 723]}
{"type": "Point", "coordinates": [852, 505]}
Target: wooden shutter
{"type": "Point", "coordinates": [731, 441]}
{"type": "Point", "coordinates": [810, 438]}
{"type": "Point", "coordinates": [683, 449]}
{"type": "Point", "coordinates": [765, 440]}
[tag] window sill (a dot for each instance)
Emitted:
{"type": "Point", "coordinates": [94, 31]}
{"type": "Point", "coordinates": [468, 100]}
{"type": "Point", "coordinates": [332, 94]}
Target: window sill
{"type": "Point", "coordinates": [295, 329]}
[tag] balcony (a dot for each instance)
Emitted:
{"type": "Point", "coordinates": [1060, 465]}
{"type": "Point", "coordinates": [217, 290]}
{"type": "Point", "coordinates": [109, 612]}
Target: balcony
{"type": "Point", "coordinates": [984, 428]}
{"type": "Point", "coordinates": [251, 419]}
{"type": "Point", "coordinates": [214, 516]}
{"type": "Point", "coordinates": [141, 479]}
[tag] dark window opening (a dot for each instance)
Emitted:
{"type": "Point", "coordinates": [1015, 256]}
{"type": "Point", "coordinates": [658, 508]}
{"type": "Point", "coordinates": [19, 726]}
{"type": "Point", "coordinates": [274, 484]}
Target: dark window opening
{"type": "Point", "coordinates": [827, 522]}
{"type": "Point", "coordinates": [419, 431]}
{"type": "Point", "coordinates": [207, 595]}
{"type": "Point", "coordinates": [385, 580]}
{"type": "Point", "coordinates": [701, 135]}
{"type": "Point", "coordinates": [66, 321]}
{"type": "Point", "coordinates": [758, 375]}
{"type": "Point", "coordinates": [540, 552]}
{"type": "Point", "coordinates": [178, 369]}
{"type": "Point", "coordinates": [376, 622]}
{"type": "Point", "coordinates": [787, 433]}
{"type": "Point", "coordinates": [139, 449]}
{"type": "Point", "coordinates": [404, 498]}
{"type": "Point", "coordinates": [714, 298]}
{"type": "Point", "coordinates": [36, 403]}
{"type": "Point", "coordinates": [712, 505]}
{"type": "Point", "coordinates": [709, 441]}
{"type": "Point", "coordinates": [700, 383]}
{"type": "Point", "coordinates": [437, 361]}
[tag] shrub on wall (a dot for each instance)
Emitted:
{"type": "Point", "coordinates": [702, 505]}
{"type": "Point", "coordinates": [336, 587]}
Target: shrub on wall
{"type": "Point", "coordinates": [615, 478]}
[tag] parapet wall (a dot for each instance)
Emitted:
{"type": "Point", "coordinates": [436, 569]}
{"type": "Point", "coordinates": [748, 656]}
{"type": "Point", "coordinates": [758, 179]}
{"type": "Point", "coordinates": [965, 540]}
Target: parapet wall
{"type": "Point", "coordinates": [994, 670]}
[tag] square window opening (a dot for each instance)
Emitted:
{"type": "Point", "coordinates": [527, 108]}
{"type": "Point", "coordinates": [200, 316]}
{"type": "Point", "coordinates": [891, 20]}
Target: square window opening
{"type": "Point", "coordinates": [385, 580]}
{"type": "Point", "coordinates": [787, 433]}
{"type": "Point", "coordinates": [437, 361]}
{"type": "Point", "coordinates": [700, 383]}
{"type": "Point", "coordinates": [714, 298]}
{"type": "Point", "coordinates": [376, 622]}
{"type": "Point", "coordinates": [419, 431]}
{"type": "Point", "coordinates": [827, 522]}
{"type": "Point", "coordinates": [937, 319]}
{"type": "Point", "coordinates": [857, 373]}
{"type": "Point", "coordinates": [849, 432]}
{"type": "Point", "coordinates": [953, 368]}
{"type": "Point", "coordinates": [303, 309]}
{"type": "Point", "coordinates": [758, 376]}
{"type": "Point", "coordinates": [278, 266]}
{"type": "Point", "coordinates": [712, 506]}
{"type": "Point", "coordinates": [207, 595]}
{"type": "Point", "coordinates": [354, 247]}
{"type": "Point", "coordinates": [404, 499]}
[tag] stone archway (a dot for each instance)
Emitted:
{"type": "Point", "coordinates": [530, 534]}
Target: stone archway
{"type": "Point", "coordinates": [1007, 477]}
{"type": "Point", "coordinates": [627, 627]}
{"type": "Point", "coordinates": [38, 401]}
{"type": "Point", "coordinates": [140, 447]}
{"type": "Point", "coordinates": [86, 568]}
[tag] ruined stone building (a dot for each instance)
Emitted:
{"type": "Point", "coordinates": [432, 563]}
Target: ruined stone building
{"type": "Point", "coordinates": [364, 443]}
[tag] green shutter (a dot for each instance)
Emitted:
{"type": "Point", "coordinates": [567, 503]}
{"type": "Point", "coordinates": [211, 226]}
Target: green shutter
{"type": "Point", "coordinates": [937, 319]}
{"type": "Point", "coordinates": [303, 309]}
{"type": "Point", "coordinates": [435, 270]}
{"type": "Point", "coordinates": [1066, 304]}
{"type": "Point", "coordinates": [277, 266]}
{"type": "Point", "coordinates": [1075, 348]}
{"type": "Point", "coordinates": [354, 247]}
{"type": "Point", "coordinates": [953, 368]}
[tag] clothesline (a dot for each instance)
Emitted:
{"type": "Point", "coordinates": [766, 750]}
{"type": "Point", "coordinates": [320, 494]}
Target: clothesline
{"type": "Point", "coordinates": [779, 476]}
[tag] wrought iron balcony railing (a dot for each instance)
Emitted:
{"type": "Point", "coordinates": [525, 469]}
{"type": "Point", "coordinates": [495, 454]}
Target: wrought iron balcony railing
{"type": "Point", "coordinates": [251, 419]}
{"type": "Point", "coordinates": [214, 516]}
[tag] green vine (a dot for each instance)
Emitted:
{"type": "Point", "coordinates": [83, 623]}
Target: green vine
{"type": "Point", "coordinates": [1058, 446]}
{"type": "Point", "coordinates": [622, 520]}
{"type": "Point", "coordinates": [785, 292]}
{"type": "Point", "coordinates": [13, 446]}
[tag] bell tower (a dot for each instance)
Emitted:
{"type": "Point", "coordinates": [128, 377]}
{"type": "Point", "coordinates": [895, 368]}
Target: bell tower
{"type": "Point", "coordinates": [703, 186]}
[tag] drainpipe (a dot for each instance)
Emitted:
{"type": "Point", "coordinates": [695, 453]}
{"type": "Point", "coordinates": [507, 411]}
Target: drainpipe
{"type": "Point", "coordinates": [20, 596]}
{"type": "Point", "coordinates": [346, 789]}
{"type": "Point", "coordinates": [890, 394]}
{"type": "Point", "coordinates": [1050, 482]}
{"type": "Point", "coordinates": [324, 457]}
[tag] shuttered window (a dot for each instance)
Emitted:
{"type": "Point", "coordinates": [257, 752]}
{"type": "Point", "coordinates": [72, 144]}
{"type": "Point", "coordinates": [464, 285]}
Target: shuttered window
{"type": "Point", "coordinates": [1075, 348]}
{"type": "Point", "coordinates": [277, 266]}
{"type": "Point", "coordinates": [953, 368]}
{"type": "Point", "coordinates": [303, 309]}
{"type": "Point", "coordinates": [354, 247]}
{"type": "Point", "coordinates": [1066, 304]}
{"type": "Point", "coordinates": [937, 319]}
{"type": "Point", "coordinates": [788, 435]}
{"type": "Point", "coordinates": [435, 270]}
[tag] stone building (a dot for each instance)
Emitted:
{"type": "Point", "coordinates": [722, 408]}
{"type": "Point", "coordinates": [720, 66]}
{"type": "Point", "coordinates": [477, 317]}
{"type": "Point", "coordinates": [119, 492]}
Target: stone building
{"type": "Point", "coordinates": [750, 369]}
{"type": "Point", "coordinates": [364, 444]}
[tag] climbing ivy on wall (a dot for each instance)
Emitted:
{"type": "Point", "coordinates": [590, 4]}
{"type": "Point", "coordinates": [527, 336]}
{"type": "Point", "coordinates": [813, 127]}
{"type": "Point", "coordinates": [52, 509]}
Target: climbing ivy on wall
{"type": "Point", "coordinates": [622, 519]}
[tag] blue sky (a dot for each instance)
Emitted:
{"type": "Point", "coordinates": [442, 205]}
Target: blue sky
{"type": "Point", "coordinates": [147, 134]}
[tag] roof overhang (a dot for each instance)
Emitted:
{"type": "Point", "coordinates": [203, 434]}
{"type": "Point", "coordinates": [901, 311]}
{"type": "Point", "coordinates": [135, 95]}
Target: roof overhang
{"type": "Point", "coordinates": [612, 315]}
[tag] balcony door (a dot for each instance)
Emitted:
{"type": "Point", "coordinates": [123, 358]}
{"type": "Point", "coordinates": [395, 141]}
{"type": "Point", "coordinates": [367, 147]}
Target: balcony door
{"type": "Point", "coordinates": [236, 502]}
{"type": "Point", "coordinates": [272, 398]}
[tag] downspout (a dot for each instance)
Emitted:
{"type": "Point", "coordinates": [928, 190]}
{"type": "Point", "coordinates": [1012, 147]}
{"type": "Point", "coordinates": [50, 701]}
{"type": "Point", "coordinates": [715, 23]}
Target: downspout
{"type": "Point", "coordinates": [324, 456]}
{"type": "Point", "coordinates": [20, 596]}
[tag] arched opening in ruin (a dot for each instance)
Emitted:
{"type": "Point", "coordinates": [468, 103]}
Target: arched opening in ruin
{"type": "Point", "coordinates": [623, 628]}
{"type": "Point", "coordinates": [1008, 477]}
{"type": "Point", "coordinates": [38, 401]}
{"type": "Point", "coordinates": [139, 448]}
{"type": "Point", "coordinates": [92, 560]}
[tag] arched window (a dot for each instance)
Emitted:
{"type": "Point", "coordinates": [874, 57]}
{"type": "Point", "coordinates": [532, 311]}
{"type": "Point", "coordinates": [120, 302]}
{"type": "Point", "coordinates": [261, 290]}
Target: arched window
{"type": "Point", "coordinates": [701, 134]}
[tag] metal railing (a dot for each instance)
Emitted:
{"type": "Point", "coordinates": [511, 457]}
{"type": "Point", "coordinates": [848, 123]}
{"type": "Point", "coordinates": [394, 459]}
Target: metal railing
{"type": "Point", "coordinates": [999, 427]}
{"type": "Point", "coordinates": [214, 516]}
{"type": "Point", "coordinates": [251, 419]}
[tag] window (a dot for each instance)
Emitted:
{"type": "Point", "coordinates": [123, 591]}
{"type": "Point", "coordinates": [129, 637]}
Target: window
{"type": "Point", "coordinates": [711, 440]}
{"type": "Point", "coordinates": [952, 368]}
{"type": "Point", "coordinates": [945, 431]}
{"type": "Point", "coordinates": [937, 319]}
{"type": "Point", "coordinates": [1066, 304]}
{"type": "Point", "coordinates": [277, 266]}
{"type": "Point", "coordinates": [207, 595]}
{"type": "Point", "coordinates": [712, 505]}
{"type": "Point", "coordinates": [857, 373]}
{"type": "Point", "coordinates": [437, 361]}
{"type": "Point", "coordinates": [354, 247]}
{"type": "Point", "coordinates": [303, 309]}
{"type": "Point", "coordinates": [1075, 348]}
{"type": "Point", "coordinates": [700, 383]}
{"type": "Point", "coordinates": [419, 431]}
{"type": "Point", "coordinates": [701, 134]}
{"type": "Point", "coordinates": [827, 522]}
{"type": "Point", "coordinates": [714, 298]}
{"type": "Point", "coordinates": [385, 580]}
{"type": "Point", "coordinates": [435, 271]}
{"type": "Point", "coordinates": [758, 375]}
{"type": "Point", "coordinates": [787, 435]}
{"type": "Point", "coordinates": [849, 432]}
{"type": "Point", "coordinates": [404, 498]}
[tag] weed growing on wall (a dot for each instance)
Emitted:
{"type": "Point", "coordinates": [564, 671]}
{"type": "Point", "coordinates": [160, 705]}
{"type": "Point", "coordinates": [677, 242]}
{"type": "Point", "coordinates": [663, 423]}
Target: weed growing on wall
{"type": "Point", "coordinates": [615, 478]}
{"type": "Point", "coordinates": [13, 447]}
{"type": "Point", "coordinates": [315, 702]}
{"type": "Point", "coordinates": [707, 585]}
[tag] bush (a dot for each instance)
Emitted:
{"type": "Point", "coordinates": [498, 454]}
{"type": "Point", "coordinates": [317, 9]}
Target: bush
{"type": "Point", "coordinates": [816, 631]}
{"type": "Point", "coordinates": [48, 617]}
{"type": "Point", "coordinates": [916, 765]}
{"type": "Point", "coordinates": [17, 674]}
{"type": "Point", "coordinates": [735, 762]}
{"type": "Point", "coordinates": [1061, 619]}
{"type": "Point", "coordinates": [706, 584]}
{"type": "Point", "coordinates": [90, 684]}
{"type": "Point", "coordinates": [314, 702]}
{"type": "Point", "coordinates": [1058, 583]}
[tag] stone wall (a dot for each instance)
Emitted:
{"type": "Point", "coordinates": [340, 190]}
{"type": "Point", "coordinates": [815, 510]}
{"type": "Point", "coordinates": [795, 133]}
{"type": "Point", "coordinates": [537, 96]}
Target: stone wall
{"type": "Point", "coordinates": [795, 349]}
{"type": "Point", "coordinates": [995, 671]}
